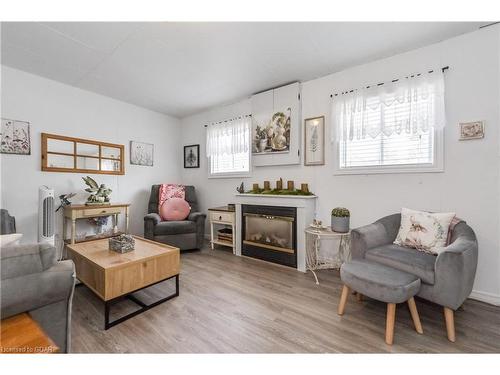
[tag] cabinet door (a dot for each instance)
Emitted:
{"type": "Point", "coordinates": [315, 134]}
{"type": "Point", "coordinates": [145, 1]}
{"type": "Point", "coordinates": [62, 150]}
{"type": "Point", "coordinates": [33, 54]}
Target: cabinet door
{"type": "Point", "coordinates": [285, 100]}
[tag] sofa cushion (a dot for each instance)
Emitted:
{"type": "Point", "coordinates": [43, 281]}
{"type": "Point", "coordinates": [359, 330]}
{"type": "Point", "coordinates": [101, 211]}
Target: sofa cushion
{"type": "Point", "coordinates": [26, 259]}
{"type": "Point", "coordinates": [405, 259]}
{"type": "Point", "coordinates": [174, 227]}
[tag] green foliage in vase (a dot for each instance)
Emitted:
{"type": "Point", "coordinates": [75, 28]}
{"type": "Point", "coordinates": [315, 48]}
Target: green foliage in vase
{"type": "Point", "coordinates": [340, 212]}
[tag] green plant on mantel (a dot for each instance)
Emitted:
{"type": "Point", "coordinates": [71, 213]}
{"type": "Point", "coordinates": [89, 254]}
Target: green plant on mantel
{"type": "Point", "coordinates": [280, 192]}
{"type": "Point", "coordinates": [340, 212]}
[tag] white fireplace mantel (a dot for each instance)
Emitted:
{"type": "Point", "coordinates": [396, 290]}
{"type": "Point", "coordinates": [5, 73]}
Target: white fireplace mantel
{"type": "Point", "coordinates": [306, 209]}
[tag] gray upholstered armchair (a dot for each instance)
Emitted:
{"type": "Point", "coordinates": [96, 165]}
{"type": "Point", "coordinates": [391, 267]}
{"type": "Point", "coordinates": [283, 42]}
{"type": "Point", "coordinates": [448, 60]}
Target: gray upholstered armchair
{"type": "Point", "coordinates": [185, 234]}
{"type": "Point", "coordinates": [446, 279]}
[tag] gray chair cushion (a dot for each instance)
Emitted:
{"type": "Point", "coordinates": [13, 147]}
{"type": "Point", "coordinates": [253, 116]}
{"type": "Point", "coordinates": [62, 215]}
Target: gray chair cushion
{"type": "Point", "coordinates": [405, 259]}
{"type": "Point", "coordinates": [175, 227]}
{"type": "Point", "coordinates": [20, 260]}
{"type": "Point", "coordinates": [379, 282]}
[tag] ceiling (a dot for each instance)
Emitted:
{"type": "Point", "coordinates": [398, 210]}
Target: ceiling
{"type": "Point", "coordinates": [184, 68]}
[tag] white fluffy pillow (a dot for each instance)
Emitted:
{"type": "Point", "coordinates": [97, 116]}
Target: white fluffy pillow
{"type": "Point", "coordinates": [10, 239]}
{"type": "Point", "coordinates": [424, 231]}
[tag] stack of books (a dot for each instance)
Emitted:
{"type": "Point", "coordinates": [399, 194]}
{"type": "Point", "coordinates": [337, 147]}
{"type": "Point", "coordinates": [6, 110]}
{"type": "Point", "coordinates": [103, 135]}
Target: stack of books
{"type": "Point", "coordinates": [225, 234]}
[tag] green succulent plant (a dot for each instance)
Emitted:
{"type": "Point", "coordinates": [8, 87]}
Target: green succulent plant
{"type": "Point", "coordinates": [340, 212]}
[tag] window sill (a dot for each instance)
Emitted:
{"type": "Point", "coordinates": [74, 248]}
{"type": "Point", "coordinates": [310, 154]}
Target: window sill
{"type": "Point", "coordinates": [230, 175]}
{"type": "Point", "coordinates": [389, 170]}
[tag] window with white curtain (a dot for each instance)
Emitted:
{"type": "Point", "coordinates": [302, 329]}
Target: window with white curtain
{"type": "Point", "coordinates": [392, 127]}
{"type": "Point", "coordinates": [228, 147]}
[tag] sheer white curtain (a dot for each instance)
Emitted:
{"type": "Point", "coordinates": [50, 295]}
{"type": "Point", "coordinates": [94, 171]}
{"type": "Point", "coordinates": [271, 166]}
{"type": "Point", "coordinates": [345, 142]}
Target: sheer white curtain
{"type": "Point", "coordinates": [411, 105]}
{"type": "Point", "coordinates": [228, 145]}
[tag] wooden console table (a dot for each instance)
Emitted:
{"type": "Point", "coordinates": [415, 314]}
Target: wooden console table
{"type": "Point", "coordinates": [81, 211]}
{"type": "Point", "coordinates": [21, 334]}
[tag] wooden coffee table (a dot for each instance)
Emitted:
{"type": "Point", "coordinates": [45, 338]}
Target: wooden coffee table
{"type": "Point", "coordinates": [113, 276]}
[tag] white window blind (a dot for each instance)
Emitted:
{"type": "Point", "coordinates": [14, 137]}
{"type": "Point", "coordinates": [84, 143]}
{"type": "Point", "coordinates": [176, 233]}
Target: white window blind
{"type": "Point", "coordinates": [228, 146]}
{"type": "Point", "coordinates": [390, 125]}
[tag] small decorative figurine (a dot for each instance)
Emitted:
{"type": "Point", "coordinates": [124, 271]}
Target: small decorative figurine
{"type": "Point", "coordinates": [99, 193]}
{"type": "Point", "coordinates": [241, 189]}
{"type": "Point", "coordinates": [65, 200]}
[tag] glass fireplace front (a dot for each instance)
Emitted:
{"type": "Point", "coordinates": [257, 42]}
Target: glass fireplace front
{"type": "Point", "coordinates": [269, 233]}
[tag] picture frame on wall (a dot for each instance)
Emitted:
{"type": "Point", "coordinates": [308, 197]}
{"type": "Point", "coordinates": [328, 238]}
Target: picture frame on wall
{"type": "Point", "coordinates": [314, 141]}
{"type": "Point", "coordinates": [471, 130]}
{"type": "Point", "coordinates": [15, 137]}
{"type": "Point", "coordinates": [192, 156]}
{"type": "Point", "coordinates": [141, 153]}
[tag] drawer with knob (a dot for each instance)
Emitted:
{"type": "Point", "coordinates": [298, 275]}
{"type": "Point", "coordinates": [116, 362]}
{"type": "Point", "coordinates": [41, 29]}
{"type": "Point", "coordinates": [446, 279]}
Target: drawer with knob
{"type": "Point", "coordinates": [226, 217]}
{"type": "Point", "coordinates": [93, 212]}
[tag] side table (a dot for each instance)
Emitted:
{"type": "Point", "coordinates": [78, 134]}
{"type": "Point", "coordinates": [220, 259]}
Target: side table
{"type": "Point", "coordinates": [322, 256]}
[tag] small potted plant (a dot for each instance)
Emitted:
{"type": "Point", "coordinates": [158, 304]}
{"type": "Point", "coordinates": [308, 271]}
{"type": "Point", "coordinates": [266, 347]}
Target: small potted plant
{"type": "Point", "coordinates": [340, 219]}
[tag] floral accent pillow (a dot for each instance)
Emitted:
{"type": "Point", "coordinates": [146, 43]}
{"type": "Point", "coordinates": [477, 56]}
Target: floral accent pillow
{"type": "Point", "coordinates": [424, 231]}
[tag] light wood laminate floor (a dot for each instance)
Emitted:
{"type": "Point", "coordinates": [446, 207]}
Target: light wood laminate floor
{"type": "Point", "coordinates": [231, 304]}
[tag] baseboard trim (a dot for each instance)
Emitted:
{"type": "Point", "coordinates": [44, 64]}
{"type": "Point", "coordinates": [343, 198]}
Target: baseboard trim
{"type": "Point", "coordinates": [492, 299]}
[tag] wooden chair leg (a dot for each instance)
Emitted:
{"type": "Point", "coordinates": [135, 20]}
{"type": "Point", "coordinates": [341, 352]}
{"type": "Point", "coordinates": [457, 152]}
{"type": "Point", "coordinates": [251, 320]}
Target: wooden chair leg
{"type": "Point", "coordinates": [359, 297]}
{"type": "Point", "coordinates": [389, 325]}
{"type": "Point", "coordinates": [414, 315]}
{"type": "Point", "coordinates": [343, 300]}
{"type": "Point", "coordinates": [450, 323]}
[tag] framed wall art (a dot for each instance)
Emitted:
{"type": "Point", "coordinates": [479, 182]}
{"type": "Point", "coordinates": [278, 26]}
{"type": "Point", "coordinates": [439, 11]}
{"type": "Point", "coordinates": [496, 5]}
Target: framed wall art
{"type": "Point", "coordinates": [314, 141]}
{"type": "Point", "coordinates": [141, 153]}
{"type": "Point", "coordinates": [471, 130]}
{"type": "Point", "coordinates": [15, 137]}
{"type": "Point", "coordinates": [192, 156]}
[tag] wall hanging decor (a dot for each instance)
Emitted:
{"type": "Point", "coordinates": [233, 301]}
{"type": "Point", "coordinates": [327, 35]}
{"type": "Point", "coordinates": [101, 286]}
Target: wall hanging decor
{"type": "Point", "coordinates": [273, 136]}
{"type": "Point", "coordinates": [471, 130]}
{"type": "Point", "coordinates": [192, 156]}
{"type": "Point", "coordinates": [15, 137]}
{"type": "Point", "coordinates": [141, 153]}
{"type": "Point", "coordinates": [314, 138]}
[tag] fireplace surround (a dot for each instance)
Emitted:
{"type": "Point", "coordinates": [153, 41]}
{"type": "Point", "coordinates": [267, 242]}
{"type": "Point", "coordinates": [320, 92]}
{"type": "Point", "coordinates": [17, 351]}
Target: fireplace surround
{"type": "Point", "coordinates": [304, 206]}
{"type": "Point", "coordinates": [269, 233]}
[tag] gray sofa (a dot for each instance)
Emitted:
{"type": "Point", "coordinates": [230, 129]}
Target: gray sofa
{"type": "Point", "coordinates": [446, 279]}
{"type": "Point", "coordinates": [185, 234]}
{"type": "Point", "coordinates": [32, 280]}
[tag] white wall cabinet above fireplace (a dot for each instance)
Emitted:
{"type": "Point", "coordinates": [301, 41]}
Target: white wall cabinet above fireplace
{"type": "Point", "coordinates": [285, 99]}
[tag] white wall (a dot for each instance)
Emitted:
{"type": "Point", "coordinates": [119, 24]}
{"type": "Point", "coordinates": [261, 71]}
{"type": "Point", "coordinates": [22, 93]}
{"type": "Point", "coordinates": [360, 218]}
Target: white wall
{"type": "Point", "coordinates": [56, 108]}
{"type": "Point", "coordinates": [469, 186]}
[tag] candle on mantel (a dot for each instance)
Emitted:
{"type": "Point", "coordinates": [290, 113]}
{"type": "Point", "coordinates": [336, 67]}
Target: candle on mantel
{"type": "Point", "coordinates": [279, 184]}
{"type": "Point", "coordinates": [267, 185]}
{"type": "Point", "coordinates": [290, 185]}
{"type": "Point", "coordinates": [255, 187]}
{"type": "Point", "coordinates": [304, 188]}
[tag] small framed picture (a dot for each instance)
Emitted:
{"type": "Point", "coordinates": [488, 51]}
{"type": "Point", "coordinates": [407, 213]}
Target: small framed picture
{"type": "Point", "coordinates": [192, 156]}
{"type": "Point", "coordinates": [314, 138]}
{"type": "Point", "coordinates": [141, 153]}
{"type": "Point", "coordinates": [471, 130]}
{"type": "Point", "coordinates": [15, 137]}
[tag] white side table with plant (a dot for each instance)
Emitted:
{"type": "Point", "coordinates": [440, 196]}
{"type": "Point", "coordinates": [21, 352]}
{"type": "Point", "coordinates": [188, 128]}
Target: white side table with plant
{"type": "Point", "coordinates": [322, 255]}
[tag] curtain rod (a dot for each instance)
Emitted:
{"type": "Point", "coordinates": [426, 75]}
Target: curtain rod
{"type": "Point", "coordinates": [443, 69]}
{"type": "Point", "coordinates": [229, 119]}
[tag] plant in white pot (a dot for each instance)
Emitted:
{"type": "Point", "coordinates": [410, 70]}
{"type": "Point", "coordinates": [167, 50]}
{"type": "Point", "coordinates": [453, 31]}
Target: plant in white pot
{"type": "Point", "coordinates": [340, 219]}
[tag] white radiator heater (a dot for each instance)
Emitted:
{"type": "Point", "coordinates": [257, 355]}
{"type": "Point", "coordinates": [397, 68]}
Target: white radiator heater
{"type": "Point", "coordinates": [46, 215]}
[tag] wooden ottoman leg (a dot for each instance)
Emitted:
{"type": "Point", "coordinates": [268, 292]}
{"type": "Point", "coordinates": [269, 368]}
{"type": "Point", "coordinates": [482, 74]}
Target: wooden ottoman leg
{"type": "Point", "coordinates": [389, 326]}
{"type": "Point", "coordinates": [450, 323]}
{"type": "Point", "coordinates": [343, 300]}
{"type": "Point", "coordinates": [414, 315]}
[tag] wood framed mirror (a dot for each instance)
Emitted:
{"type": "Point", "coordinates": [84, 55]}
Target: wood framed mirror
{"type": "Point", "coordinates": [77, 155]}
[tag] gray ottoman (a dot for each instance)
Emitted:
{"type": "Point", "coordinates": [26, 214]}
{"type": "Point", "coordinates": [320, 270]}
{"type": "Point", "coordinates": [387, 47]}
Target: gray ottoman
{"type": "Point", "coordinates": [384, 284]}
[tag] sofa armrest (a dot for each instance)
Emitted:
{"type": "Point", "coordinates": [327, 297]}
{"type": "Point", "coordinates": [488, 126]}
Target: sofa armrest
{"type": "Point", "coordinates": [382, 232]}
{"type": "Point", "coordinates": [155, 218]}
{"type": "Point", "coordinates": [196, 216]}
{"type": "Point", "coordinates": [454, 270]}
{"type": "Point", "coordinates": [150, 221]}
{"type": "Point", "coordinates": [21, 260]}
{"type": "Point", "coordinates": [29, 292]}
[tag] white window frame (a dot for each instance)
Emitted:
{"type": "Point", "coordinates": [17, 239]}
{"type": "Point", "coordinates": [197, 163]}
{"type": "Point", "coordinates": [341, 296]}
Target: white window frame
{"type": "Point", "coordinates": [436, 166]}
{"type": "Point", "coordinates": [228, 175]}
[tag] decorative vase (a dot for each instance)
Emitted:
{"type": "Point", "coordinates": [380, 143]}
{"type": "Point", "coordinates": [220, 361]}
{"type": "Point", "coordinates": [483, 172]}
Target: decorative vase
{"type": "Point", "coordinates": [262, 145]}
{"type": "Point", "coordinates": [340, 224]}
